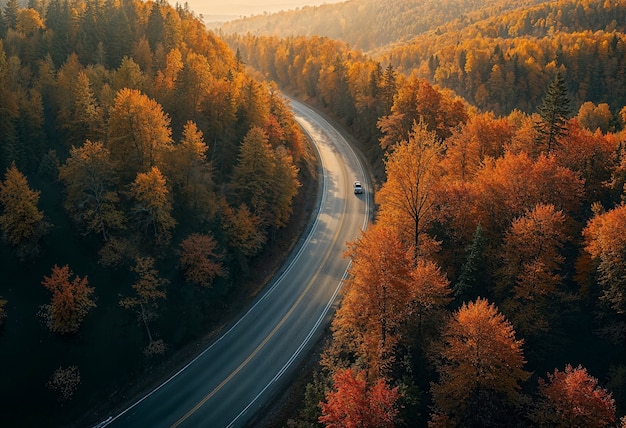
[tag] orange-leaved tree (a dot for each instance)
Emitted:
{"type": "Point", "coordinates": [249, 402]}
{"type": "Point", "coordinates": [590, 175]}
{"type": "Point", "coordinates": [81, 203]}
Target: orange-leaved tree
{"type": "Point", "coordinates": [531, 271]}
{"type": "Point", "coordinates": [507, 187]}
{"type": "Point", "coordinates": [483, 135]}
{"type": "Point", "coordinates": [377, 300]}
{"type": "Point", "coordinates": [418, 101]}
{"type": "Point", "coordinates": [199, 259]}
{"type": "Point", "coordinates": [573, 398]}
{"type": "Point", "coordinates": [354, 404]}
{"type": "Point", "coordinates": [387, 295]}
{"type": "Point", "coordinates": [480, 366]}
{"type": "Point", "coordinates": [71, 300]}
{"type": "Point", "coordinates": [605, 241]}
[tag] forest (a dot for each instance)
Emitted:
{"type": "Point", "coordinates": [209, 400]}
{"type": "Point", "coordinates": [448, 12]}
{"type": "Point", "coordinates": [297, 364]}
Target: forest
{"type": "Point", "coordinates": [143, 175]}
{"type": "Point", "coordinates": [499, 56]}
{"type": "Point", "coordinates": [137, 147]}
{"type": "Point", "coordinates": [490, 289]}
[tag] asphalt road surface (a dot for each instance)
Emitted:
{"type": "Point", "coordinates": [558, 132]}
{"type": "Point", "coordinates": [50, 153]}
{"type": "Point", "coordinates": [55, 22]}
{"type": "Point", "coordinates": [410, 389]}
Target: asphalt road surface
{"type": "Point", "coordinates": [240, 372]}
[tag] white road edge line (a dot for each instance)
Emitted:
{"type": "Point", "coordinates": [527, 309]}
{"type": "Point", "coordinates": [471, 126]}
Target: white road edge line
{"type": "Point", "coordinates": [263, 297]}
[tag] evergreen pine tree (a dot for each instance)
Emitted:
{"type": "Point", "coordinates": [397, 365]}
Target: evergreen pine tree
{"type": "Point", "coordinates": [3, 26]}
{"type": "Point", "coordinates": [554, 113]}
{"type": "Point", "coordinates": [10, 13]}
{"type": "Point", "coordinates": [389, 88]}
{"type": "Point", "coordinates": [467, 285]}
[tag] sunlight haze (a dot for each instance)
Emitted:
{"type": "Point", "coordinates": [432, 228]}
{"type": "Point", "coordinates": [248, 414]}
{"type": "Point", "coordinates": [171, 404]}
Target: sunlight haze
{"type": "Point", "coordinates": [218, 10]}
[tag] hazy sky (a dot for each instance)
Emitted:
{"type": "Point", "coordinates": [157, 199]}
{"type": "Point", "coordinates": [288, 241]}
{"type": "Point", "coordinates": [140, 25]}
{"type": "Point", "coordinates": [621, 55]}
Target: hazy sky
{"type": "Point", "coordinates": [210, 8]}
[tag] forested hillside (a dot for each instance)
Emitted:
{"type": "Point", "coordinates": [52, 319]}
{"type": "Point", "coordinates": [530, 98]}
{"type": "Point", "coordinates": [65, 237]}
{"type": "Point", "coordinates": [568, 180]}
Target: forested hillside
{"type": "Point", "coordinates": [497, 55]}
{"type": "Point", "coordinates": [504, 62]}
{"type": "Point", "coordinates": [142, 172]}
{"type": "Point", "coordinates": [489, 291]}
{"type": "Point", "coordinates": [386, 21]}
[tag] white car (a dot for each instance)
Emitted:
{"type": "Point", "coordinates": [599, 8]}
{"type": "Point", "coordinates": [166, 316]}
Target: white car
{"type": "Point", "coordinates": [357, 187]}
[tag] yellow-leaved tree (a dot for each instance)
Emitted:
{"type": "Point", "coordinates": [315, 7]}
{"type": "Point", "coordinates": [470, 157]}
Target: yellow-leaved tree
{"type": "Point", "coordinates": [21, 221]}
{"type": "Point", "coordinates": [153, 208]}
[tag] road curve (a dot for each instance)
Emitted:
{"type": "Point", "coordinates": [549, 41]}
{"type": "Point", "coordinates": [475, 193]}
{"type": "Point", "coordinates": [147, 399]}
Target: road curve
{"type": "Point", "coordinates": [238, 373]}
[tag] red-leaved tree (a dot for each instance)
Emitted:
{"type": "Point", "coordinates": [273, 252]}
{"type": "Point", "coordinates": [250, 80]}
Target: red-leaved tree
{"type": "Point", "coordinates": [71, 300]}
{"type": "Point", "coordinates": [355, 404]}
{"type": "Point", "coordinates": [573, 398]}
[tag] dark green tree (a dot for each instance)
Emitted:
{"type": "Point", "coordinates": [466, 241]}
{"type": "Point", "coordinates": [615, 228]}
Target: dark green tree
{"type": "Point", "coordinates": [58, 18]}
{"type": "Point", "coordinates": [389, 87]}
{"type": "Point", "coordinates": [252, 177]}
{"type": "Point", "coordinates": [554, 112]}
{"type": "Point", "coordinates": [471, 277]}
{"type": "Point", "coordinates": [10, 13]}
{"type": "Point", "coordinates": [3, 25]}
{"type": "Point", "coordinates": [341, 99]}
{"type": "Point", "coordinates": [156, 26]}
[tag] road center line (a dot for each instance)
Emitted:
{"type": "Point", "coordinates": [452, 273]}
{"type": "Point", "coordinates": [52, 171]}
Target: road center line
{"type": "Point", "coordinates": [274, 330]}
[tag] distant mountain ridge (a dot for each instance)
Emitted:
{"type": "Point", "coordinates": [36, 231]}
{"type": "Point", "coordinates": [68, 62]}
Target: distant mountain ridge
{"type": "Point", "coordinates": [395, 20]}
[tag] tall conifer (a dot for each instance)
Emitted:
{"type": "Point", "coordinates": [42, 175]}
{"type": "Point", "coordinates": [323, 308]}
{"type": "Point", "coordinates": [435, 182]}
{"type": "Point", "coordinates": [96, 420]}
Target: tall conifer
{"type": "Point", "coordinates": [554, 113]}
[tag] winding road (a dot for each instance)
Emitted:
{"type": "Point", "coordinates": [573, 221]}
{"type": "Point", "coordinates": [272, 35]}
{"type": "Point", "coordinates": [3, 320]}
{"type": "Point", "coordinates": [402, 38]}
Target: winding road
{"type": "Point", "coordinates": [240, 372]}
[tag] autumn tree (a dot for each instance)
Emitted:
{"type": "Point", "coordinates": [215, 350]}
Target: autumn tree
{"type": "Point", "coordinates": [191, 173]}
{"type": "Point", "coordinates": [284, 189]}
{"type": "Point", "coordinates": [480, 366]}
{"type": "Point", "coordinates": [80, 115]}
{"type": "Point", "coordinates": [139, 133]}
{"type": "Point", "coordinates": [573, 398]}
{"type": "Point", "coordinates": [149, 289]}
{"type": "Point", "coordinates": [243, 230]}
{"type": "Point", "coordinates": [335, 90]}
{"type": "Point", "coordinates": [388, 294]}
{"type": "Point", "coordinates": [483, 135]}
{"type": "Point", "coordinates": [153, 208]}
{"type": "Point", "coordinates": [166, 78]}
{"type": "Point", "coordinates": [591, 154]}
{"type": "Point", "coordinates": [91, 185]}
{"type": "Point", "coordinates": [22, 223]}
{"type": "Point", "coordinates": [554, 112]}
{"type": "Point", "coordinates": [354, 404]}
{"type": "Point", "coordinates": [377, 300]}
{"type": "Point", "coordinates": [418, 101]}
{"type": "Point", "coordinates": [254, 107]}
{"type": "Point", "coordinates": [265, 179]}
{"type": "Point", "coordinates": [199, 259]}
{"type": "Point", "coordinates": [531, 272]}
{"type": "Point", "coordinates": [407, 199]}
{"type": "Point", "coordinates": [129, 76]}
{"type": "Point", "coordinates": [594, 117]}
{"type": "Point", "coordinates": [605, 241]}
{"type": "Point", "coordinates": [388, 87]}
{"type": "Point", "coordinates": [506, 188]}
{"type": "Point", "coordinates": [71, 300]}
